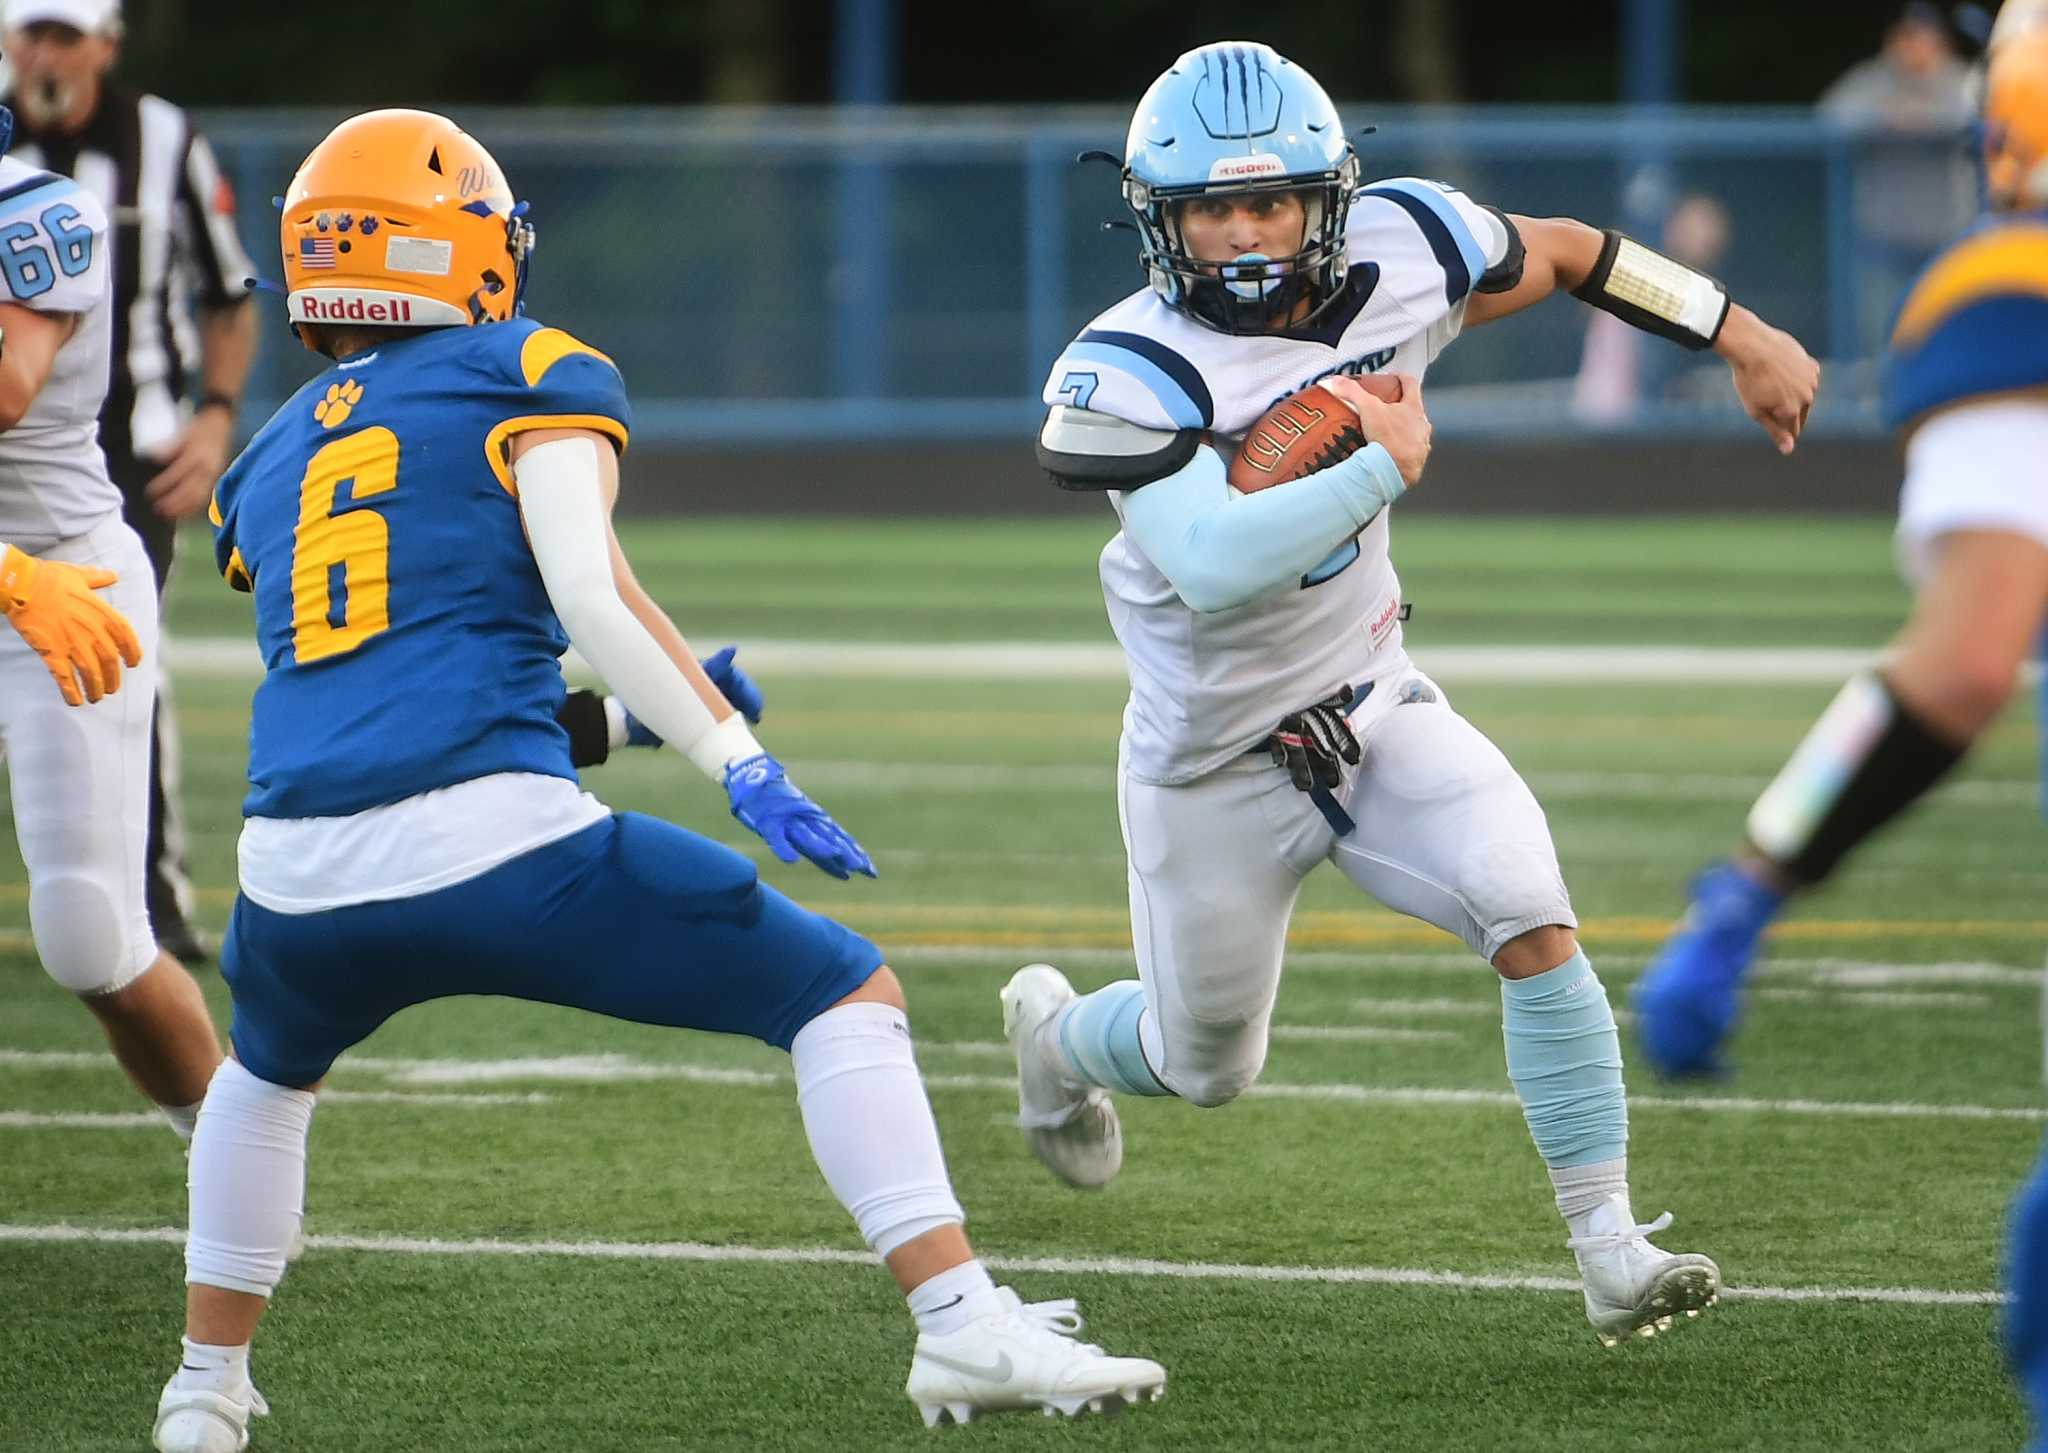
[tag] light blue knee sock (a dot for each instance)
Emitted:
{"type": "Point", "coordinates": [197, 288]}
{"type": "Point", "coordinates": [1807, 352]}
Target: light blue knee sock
{"type": "Point", "coordinates": [1565, 1060]}
{"type": "Point", "coordinates": [1098, 1037]}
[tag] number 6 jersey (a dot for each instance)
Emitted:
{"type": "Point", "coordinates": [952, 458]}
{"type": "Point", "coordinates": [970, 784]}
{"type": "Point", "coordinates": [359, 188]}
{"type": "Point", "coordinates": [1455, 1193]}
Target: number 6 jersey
{"type": "Point", "coordinates": [53, 259]}
{"type": "Point", "coordinates": [408, 642]}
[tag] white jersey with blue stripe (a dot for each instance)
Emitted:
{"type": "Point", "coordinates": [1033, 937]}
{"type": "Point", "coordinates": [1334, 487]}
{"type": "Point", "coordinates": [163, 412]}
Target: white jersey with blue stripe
{"type": "Point", "coordinates": [1206, 687]}
{"type": "Point", "coordinates": [54, 259]}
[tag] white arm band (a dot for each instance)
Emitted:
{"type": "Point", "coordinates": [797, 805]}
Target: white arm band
{"type": "Point", "coordinates": [1655, 293]}
{"type": "Point", "coordinates": [561, 499]}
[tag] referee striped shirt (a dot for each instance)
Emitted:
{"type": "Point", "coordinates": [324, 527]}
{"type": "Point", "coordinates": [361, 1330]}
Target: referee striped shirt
{"type": "Point", "coordinates": [175, 246]}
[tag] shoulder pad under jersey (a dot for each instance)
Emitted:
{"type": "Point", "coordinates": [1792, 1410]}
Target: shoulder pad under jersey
{"type": "Point", "coordinates": [1129, 374]}
{"type": "Point", "coordinates": [1082, 450]}
{"type": "Point", "coordinates": [1462, 240]}
{"type": "Point", "coordinates": [1975, 323]}
{"type": "Point", "coordinates": [53, 254]}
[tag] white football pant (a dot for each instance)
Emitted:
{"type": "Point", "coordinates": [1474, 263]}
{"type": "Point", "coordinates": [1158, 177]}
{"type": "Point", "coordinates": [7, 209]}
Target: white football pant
{"type": "Point", "coordinates": [78, 781]}
{"type": "Point", "coordinates": [1446, 832]}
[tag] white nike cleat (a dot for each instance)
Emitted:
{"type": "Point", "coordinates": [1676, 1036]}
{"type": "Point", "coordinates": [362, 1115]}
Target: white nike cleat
{"type": "Point", "coordinates": [1072, 1128]}
{"type": "Point", "coordinates": [192, 1420]}
{"type": "Point", "coordinates": [1633, 1288]}
{"type": "Point", "coordinates": [1025, 1356]}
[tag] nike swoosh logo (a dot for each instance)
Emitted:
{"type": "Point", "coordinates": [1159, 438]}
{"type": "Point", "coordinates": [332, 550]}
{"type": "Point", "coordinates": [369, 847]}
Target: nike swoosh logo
{"type": "Point", "coordinates": [954, 1303]}
{"type": "Point", "coordinates": [997, 1371]}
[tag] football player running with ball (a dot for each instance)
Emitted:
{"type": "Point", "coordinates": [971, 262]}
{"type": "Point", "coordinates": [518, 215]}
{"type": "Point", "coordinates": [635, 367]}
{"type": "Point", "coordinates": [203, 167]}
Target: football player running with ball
{"type": "Point", "coordinates": [425, 528]}
{"type": "Point", "coordinates": [1275, 722]}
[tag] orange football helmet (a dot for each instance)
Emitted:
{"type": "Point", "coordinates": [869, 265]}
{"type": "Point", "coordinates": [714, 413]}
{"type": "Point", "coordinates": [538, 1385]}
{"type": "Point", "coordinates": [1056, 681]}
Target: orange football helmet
{"type": "Point", "coordinates": [2016, 120]}
{"type": "Point", "coordinates": [400, 219]}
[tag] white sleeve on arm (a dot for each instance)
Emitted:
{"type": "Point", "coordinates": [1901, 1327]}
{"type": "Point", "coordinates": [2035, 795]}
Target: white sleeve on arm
{"type": "Point", "coordinates": [561, 499]}
{"type": "Point", "coordinates": [1220, 549]}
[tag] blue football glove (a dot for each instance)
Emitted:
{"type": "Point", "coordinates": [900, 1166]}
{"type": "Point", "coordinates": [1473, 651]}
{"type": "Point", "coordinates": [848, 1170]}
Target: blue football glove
{"type": "Point", "coordinates": [735, 685]}
{"type": "Point", "coordinates": [790, 823]}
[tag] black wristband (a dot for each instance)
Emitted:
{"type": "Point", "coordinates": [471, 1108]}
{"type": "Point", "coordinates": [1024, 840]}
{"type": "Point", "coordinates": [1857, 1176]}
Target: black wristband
{"type": "Point", "coordinates": [213, 398]}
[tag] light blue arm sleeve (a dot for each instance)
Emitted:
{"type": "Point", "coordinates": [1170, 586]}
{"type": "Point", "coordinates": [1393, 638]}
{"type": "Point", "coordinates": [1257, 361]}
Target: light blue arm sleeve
{"type": "Point", "coordinates": [1220, 551]}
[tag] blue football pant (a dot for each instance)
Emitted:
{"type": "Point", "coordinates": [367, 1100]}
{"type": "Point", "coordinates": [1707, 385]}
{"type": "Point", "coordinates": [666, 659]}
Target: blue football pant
{"type": "Point", "coordinates": [633, 917]}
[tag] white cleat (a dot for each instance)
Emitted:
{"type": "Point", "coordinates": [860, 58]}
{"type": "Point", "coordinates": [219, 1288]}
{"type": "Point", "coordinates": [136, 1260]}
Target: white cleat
{"type": "Point", "coordinates": [1634, 1289]}
{"type": "Point", "coordinates": [1023, 1357]}
{"type": "Point", "coordinates": [190, 1420]}
{"type": "Point", "coordinates": [1072, 1128]}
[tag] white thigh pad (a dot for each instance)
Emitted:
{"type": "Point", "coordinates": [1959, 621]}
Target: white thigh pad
{"type": "Point", "coordinates": [78, 780]}
{"type": "Point", "coordinates": [1447, 830]}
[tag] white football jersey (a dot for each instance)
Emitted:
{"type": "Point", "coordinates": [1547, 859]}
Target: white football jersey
{"type": "Point", "coordinates": [54, 259]}
{"type": "Point", "coordinates": [1206, 687]}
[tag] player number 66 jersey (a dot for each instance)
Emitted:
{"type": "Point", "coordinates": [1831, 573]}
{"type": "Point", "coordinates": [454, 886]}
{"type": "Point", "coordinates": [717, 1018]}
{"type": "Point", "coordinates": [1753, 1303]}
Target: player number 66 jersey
{"type": "Point", "coordinates": [1206, 687]}
{"type": "Point", "coordinates": [53, 259]}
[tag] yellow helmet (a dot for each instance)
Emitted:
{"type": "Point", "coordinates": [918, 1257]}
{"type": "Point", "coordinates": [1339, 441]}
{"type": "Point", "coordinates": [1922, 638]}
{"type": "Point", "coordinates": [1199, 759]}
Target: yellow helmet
{"type": "Point", "coordinates": [2016, 120]}
{"type": "Point", "coordinates": [400, 219]}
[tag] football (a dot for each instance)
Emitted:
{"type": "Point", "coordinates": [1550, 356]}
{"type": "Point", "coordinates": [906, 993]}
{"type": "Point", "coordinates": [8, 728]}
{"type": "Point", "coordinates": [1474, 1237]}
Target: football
{"type": "Point", "coordinates": [1302, 433]}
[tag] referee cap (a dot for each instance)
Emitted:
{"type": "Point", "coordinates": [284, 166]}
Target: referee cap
{"type": "Point", "coordinates": [92, 17]}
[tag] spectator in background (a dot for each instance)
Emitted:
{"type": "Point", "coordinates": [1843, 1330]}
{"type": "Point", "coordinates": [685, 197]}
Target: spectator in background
{"type": "Point", "coordinates": [1915, 185]}
{"type": "Point", "coordinates": [174, 243]}
{"type": "Point", "coordinates": [1624, 368]}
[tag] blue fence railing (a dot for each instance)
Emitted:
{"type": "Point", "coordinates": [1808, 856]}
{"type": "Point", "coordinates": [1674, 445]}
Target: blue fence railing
{"type": "Point", "coordinates": [899, 274]}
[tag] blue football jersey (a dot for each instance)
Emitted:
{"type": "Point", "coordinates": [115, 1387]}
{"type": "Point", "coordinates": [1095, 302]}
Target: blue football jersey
{"type": "Point", "coordinates": [408, 642]}
{"type": "Point", "coordinates": [1975, 323]}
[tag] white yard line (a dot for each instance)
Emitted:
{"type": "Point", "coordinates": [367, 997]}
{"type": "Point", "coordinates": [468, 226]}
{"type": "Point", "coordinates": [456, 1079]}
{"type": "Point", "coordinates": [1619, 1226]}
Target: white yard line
{"type": "Point", "coordinates": [693, 1251]}
{"type": "Point", "coordinates": [621, 1069]}
{"type": "Point", "coordinates": [1877, 998]}
{"type": "Point", "coordinates": [1103, 661]}
{"type": "Point", "coordinates": [82, 1120]}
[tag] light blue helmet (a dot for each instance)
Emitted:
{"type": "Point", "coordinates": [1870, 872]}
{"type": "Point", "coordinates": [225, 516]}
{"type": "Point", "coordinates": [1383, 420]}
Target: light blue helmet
{"type": "Point", "coordinates": [1238, 117]}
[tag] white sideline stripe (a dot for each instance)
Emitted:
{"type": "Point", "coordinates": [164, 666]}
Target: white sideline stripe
{"type": "Point", "coordinates": [82, 1120]}
{"type": "Point", "coordinates": [1403, 1008]}
{"type": "Point", "coordinates": [618, 1068]}
{"type": "Point", "coordinates": [1104, 661]}
{"type": "Point", "coordinates": [997, 1048]}
{"type": "Point", "coordinates": [150, 1120]}
{"type": "Point", "coordinates": [1366, 1032]}
{"type": "Point", "coordinates": [697, 1251]}
{"type": "Point", "coordinates": [1838, 973]}
{"type": "Point", "coordinates": [1850, 974]}
{"type": "Point", "coordinates": [612, 1067]}
{"type": "Point", "coordinates": [415, 1097]}
{"type": "Point", "coordinates": [1879, 998]}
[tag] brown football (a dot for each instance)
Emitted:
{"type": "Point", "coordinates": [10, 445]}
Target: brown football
{"type": "Point", "coordinates": [1302, 433]}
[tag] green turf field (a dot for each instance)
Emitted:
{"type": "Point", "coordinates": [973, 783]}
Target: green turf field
{"type": "Point", "coordinates": [1890, 1074]}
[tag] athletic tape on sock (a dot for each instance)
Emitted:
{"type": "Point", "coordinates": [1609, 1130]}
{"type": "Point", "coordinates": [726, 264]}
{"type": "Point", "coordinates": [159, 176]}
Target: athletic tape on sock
{"type": "Point", "coordinates": [1099, 1036]}
{"type": "Point", "coordinates": [1564, 1058]}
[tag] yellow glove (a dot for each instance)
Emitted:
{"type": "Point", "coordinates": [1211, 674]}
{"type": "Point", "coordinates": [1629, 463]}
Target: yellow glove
{"type": "Point", "coordinates": [80, 637]}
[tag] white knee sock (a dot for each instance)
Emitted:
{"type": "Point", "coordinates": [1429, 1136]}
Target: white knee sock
{"type": "Point", "coordinates": [870, 1125]}
{"type": "Point", "coordinates": [248, 1181]}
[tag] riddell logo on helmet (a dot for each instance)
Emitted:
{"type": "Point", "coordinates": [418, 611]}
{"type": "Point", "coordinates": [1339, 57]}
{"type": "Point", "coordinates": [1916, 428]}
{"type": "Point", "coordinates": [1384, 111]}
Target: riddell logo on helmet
{"type": "Point", "coordinates": [1230, 168]}
{"type": "Point", "coordinates": [355, 310]}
